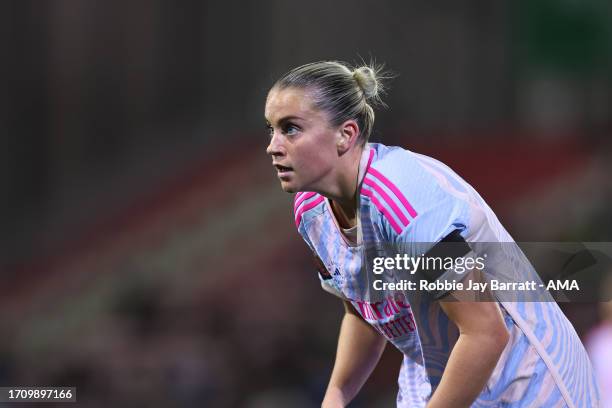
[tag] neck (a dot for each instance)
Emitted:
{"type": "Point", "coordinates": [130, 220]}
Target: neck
{"type": "Point", "coordinates": [346, 215]}
{"type": "Point", "coordinates": [343, 196]}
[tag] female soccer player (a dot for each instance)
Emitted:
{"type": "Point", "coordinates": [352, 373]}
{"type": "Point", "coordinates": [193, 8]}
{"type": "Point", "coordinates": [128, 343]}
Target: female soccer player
{"type": "Point", "coordinates": [357, 201]}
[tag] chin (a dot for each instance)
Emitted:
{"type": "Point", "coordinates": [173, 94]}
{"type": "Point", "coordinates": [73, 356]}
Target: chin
{"type": "Point", "coordinates": [288, 187]}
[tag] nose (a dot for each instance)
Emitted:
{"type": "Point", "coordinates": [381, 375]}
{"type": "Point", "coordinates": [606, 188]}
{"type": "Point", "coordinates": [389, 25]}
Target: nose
{"type": "Point", "coordinates": [275, 147]}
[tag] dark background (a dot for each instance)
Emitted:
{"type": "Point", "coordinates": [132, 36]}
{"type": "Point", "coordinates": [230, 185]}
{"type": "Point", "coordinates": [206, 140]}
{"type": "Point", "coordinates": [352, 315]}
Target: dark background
{"type": "Point", "coordinates": [148, 254]}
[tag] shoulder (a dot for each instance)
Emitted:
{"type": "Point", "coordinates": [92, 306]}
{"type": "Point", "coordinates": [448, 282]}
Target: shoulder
{"type": "Point", "coordinates": [384, 185]}
{"type": "Point", "coordinates": [415, 173]}
{"type": "Point", "coordinates": [304, 204]}
{"type": "Point", "coordinates": [412, 192]}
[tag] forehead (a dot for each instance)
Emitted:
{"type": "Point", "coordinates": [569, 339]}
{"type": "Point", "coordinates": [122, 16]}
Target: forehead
{"type": "Point", "coordinates": [291, 101]}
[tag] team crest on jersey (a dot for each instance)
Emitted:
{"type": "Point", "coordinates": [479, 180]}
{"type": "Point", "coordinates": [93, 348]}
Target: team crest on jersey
{"type": "Point", "coordinates": [321, 267]}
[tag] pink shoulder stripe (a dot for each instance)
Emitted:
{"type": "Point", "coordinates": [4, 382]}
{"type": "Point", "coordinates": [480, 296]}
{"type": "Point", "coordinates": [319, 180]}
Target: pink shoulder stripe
{"type": "Point", "coordinates": [297, 196]}
{"type": "Point", "coordinates": [310, 205]}
{"type": "Point", "coordinates": [395, 190]}
{"type": "Point", "coordinates": [383, 210]}
{"type": "Point", "coordinates": [388, 200]}
{"type": "Point", "coordinates": [301, 199]}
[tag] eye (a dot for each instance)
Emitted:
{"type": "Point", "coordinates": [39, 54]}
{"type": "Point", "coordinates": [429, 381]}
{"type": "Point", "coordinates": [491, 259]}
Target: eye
{"type": "Point", "coordinates": [291, 129]}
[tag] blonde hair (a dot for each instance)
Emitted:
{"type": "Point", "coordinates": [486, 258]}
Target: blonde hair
{"type": "Point", "coordinates": [340, 90]}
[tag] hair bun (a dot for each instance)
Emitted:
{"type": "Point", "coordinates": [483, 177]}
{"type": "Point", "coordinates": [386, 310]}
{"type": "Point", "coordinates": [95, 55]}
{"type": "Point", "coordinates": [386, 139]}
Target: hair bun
{"type": "Point", "coordinates": [366, 79]}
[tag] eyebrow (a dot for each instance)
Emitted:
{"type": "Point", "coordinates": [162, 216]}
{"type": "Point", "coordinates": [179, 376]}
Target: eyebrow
{"type": "Point", "coordinates": [286, 119]}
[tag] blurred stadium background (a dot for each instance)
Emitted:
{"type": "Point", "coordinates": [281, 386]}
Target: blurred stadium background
{"type": "Point", "coordinates": [148, 254]}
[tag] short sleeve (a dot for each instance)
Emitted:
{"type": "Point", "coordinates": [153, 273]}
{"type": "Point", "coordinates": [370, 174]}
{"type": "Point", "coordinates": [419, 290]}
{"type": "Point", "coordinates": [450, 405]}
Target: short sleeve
{"type": "Point", "coordinates": [439, 214]}
{"type": "Point", "coordinates": [437, 235]}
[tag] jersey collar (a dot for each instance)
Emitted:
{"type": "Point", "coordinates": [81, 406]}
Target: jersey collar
{"type": "Point", "coordinates": [364, 164]}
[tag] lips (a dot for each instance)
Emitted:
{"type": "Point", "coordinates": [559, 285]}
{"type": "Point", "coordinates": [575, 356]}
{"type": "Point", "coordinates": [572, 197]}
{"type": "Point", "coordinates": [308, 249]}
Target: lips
{"type": "Point", "coordinates": [283, 172]}
{"type": "Point", "coordinates": [282, 169]}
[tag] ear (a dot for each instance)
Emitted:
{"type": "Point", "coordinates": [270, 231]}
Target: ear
{"type": "Point", "coordinates": [347, 136]}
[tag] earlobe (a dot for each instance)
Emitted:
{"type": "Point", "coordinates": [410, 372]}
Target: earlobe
{"type": "Point", "coordinates": [347, 136]}
{"type": "Point", "coordinates": [342, 142]}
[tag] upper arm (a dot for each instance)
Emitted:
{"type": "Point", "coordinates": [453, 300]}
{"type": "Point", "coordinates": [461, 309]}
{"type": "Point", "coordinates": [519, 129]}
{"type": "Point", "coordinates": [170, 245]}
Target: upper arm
{"type": "Point", "coordinates": [473, 311]}
{"type": "Point", "coordinates": [475, 317]}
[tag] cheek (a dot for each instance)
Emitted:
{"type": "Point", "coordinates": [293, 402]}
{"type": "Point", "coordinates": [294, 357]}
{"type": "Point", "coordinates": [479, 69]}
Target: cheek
{"type": "Point", "coordinates": [319, 157]}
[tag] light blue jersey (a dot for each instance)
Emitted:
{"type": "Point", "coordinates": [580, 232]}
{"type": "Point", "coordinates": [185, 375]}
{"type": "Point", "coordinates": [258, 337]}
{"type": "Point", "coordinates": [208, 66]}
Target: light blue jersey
{"type": "Point", "coordinates": [407, 198]}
